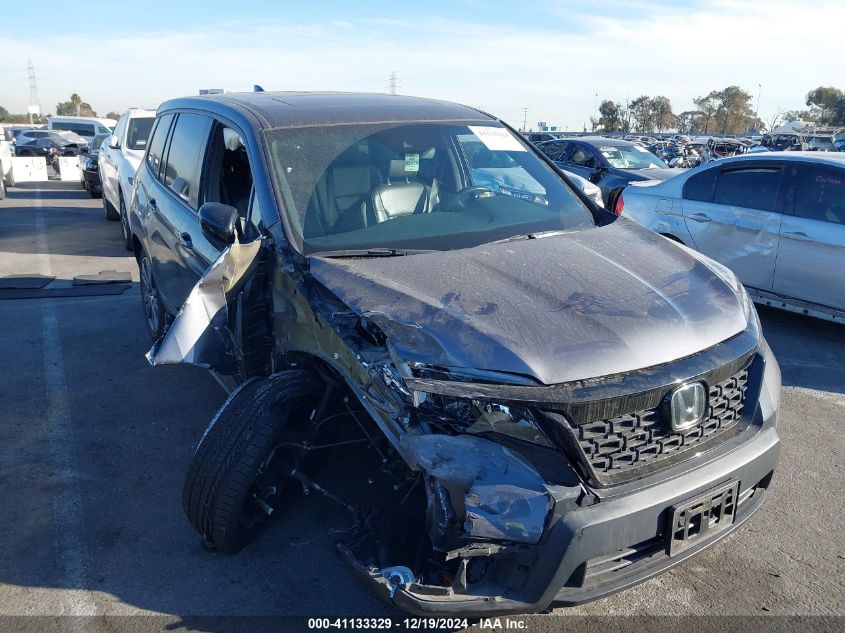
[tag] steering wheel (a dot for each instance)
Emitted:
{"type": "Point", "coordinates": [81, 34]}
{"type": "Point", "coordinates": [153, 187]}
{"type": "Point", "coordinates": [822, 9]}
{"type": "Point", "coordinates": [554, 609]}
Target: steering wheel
{"type": "Point", "coordinates": [465, 195]}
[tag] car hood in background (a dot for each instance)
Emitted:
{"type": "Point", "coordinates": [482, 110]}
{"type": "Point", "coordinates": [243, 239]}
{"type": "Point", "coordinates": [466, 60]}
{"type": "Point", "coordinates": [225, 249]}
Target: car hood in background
{"type": "Point", "coordinates": [653, 174]}
{"type": "Point", "coordinates": [569, 307]}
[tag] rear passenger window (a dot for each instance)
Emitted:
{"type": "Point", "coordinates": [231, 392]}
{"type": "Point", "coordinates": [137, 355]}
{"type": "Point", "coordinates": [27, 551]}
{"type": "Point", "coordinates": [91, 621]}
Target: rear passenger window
{"type": "Point", "coordinates": [819, 193]}
{"type": "Point", "coordinates": [159, 136]}
{"type": "Point", "coordinates": [555, 151]}
{"type": "Point", "coordinates": [751, 187]}
{"type": "Point", "coordinates": [700, 186]}
{"type": "Point", "coordinates": [184, 154]}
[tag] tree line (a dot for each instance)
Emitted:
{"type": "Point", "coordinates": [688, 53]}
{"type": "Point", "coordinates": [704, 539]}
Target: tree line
{"type": "Point", "coordinates": [727, 111]}
{"type": "Point", "coordinates": [74, 106]}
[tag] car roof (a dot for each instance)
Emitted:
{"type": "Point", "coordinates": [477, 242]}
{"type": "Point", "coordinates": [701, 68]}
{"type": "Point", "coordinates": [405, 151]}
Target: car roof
{"type": "Point", "coordinates": [833, 158]}
{"type": "Point", "coordinates": [299, 109]}
{"type": "Point", "coordinates": [603, 141]}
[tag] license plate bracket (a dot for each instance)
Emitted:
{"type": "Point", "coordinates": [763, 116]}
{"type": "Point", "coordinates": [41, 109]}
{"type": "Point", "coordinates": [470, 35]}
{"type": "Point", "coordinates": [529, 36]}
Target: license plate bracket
{"type": "Point", "coordinates": [702, 517]}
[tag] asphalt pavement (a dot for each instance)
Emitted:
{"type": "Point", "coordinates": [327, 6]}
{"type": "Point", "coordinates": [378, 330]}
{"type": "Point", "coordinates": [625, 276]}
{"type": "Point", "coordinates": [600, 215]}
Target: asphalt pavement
{"type": "Point", "coordinates": [94, 445]}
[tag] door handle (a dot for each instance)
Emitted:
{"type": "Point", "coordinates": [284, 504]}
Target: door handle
{"type": "Point", "coordinates": [700, 217]}
{"type": "Point", "coordinates": [186, 241]}
{"type": "Point", "coordinates": [799, 237]}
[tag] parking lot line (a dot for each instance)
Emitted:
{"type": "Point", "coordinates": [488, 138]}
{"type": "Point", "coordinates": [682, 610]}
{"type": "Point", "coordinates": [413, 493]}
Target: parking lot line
{"type": "Point", "coordinates": [71, 548]}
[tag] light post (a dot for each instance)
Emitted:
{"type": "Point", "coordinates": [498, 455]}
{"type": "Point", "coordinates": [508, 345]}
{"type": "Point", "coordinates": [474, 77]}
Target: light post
{"type": "Point", "coordinates": [757, 111]}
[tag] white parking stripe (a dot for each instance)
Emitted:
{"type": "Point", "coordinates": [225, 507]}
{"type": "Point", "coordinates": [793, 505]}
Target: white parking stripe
{"type": "Point", "coordinates": [72, 551]}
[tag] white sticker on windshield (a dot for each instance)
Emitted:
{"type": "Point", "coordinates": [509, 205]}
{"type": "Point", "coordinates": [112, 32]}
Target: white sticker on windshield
{"type": "Point", "coordinates": [412, 162]}
{"type": "Point", "coordinates": [641, 149]}
{"type": "Point", "coordinates": [497, 138]}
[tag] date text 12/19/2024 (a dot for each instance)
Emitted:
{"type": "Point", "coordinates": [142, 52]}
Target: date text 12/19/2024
{"type": "Point", "coordinates": [492, 624]}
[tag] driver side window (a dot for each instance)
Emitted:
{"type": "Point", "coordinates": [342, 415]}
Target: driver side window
{"type": "Point", "coordinates": [228, 179]}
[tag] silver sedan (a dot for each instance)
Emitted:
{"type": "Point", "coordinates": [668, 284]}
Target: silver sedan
{"type": "Point", "coordinates": [777, 220]}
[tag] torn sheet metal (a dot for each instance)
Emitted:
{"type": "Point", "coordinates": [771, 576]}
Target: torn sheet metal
{"type": "Point", "coordinates": [495, 491]}
{"type": "Point", "coordinates": [200, 334]}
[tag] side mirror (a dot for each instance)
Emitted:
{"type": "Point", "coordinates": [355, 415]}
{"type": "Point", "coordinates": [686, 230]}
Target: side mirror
{"type": "Point", "coordinates": [218, 222]}
{"type": "Point", "coordinates": [114, 143]}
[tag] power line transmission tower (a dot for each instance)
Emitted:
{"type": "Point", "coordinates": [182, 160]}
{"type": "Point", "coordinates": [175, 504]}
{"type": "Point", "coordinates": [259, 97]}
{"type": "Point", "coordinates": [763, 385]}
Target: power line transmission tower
{"type": "Point", "coordinates": [394, 81]}
{"type": "Point", "coordinates": [34, 99]}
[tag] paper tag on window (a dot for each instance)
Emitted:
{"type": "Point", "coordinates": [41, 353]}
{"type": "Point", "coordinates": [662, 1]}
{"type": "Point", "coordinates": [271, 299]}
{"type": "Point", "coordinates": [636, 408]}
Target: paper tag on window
{"type": "Point", "coordinates": [497, 138]}
{"type": "Point", "coordinates": [412, 162]}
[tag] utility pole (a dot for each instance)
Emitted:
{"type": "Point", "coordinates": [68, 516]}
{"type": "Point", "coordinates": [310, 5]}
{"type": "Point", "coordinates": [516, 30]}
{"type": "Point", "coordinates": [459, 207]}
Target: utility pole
{"type": "Point", "coordinates": [524, 120]}
{"type": "Point", "coordinates": [757, 111]}
{"type": "Point", "coordinates": [34, 99]}
{"type": "Point", "coordinates": [394, 81]}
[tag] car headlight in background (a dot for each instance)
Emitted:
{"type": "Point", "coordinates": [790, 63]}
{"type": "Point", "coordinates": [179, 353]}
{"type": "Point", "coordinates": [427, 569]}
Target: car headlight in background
{"type": "Point", "coordinates": [90, 165]}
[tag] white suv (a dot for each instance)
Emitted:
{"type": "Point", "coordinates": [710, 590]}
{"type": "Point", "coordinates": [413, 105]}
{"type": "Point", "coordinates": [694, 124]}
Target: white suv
{"type": "Point", "coordinates": [118, 161]}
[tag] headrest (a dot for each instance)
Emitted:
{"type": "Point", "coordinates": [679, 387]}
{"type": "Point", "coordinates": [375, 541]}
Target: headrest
{"type": "Point", "coordinates": [397, 169]}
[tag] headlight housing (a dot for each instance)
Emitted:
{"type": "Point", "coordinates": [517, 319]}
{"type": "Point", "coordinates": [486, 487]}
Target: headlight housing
{"type": "Point", "coordinates": [91, 165]}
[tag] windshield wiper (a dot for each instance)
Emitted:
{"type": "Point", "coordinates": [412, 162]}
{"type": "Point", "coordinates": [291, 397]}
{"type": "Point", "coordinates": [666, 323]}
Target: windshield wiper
{"type": "Point", "coordinates": [370, 252]}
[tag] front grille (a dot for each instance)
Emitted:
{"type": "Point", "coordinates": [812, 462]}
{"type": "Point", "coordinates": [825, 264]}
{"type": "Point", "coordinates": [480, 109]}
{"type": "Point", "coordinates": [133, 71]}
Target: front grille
{"type": "Point", "coordinates": [627, 444]}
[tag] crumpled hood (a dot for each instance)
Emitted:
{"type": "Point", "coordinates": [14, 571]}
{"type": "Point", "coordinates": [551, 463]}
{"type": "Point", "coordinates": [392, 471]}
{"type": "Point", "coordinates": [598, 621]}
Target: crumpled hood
{"type": "Point", "coordinates": [562, 308]}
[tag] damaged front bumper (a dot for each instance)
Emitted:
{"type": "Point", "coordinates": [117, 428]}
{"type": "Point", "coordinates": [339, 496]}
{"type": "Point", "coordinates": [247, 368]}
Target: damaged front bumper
{"type": "Point", "coordinates": [591, 552]}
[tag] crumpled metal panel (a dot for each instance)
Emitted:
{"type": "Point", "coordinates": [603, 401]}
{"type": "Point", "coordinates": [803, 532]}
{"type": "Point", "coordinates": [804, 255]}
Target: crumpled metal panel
{"type": "Point", "coordinates": [200, 335]}
{"type": "Point", "coordinates": [570, 307]}
{"type": "Point", "coordinates": [495, 491]}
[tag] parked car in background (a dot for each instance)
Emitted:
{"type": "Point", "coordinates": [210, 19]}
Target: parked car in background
{"type": "Point", "coordinates": [776, 219]}
{"type": "Point", "coordinates": [24, 136]}
{"type": "Point", "coordinates": [539, 137]}
{"type": "Point", "coordinates": [820, 142]}
{"type": "Point", "coordinates": [87, 127]}
{"type": "Point", "coordinates": [90, 168]}
{"type": "Point", "coordinates": [533, 396]}
{"type": "Point", "coordinates": [608, 163]}
{"type": "Point", "coordinates": [7, 178]}
{"type": "Point", "coordinates": [118, 161]}
{"type": "Point", "coordinates": [45, 146]}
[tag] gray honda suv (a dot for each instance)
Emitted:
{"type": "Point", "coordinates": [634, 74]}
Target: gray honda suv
{"type": "Point", "coordinates": [519, 402]}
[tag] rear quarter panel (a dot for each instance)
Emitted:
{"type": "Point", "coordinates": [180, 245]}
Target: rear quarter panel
{"type": "Point", "coordinates": [657, 207]}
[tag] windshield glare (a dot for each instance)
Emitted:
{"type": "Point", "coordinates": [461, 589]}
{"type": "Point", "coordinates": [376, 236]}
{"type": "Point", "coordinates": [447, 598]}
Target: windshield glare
{"type": "Point", "coordinates": [630, 157]}
{"type": "Point", "coordinates": [417, 186]}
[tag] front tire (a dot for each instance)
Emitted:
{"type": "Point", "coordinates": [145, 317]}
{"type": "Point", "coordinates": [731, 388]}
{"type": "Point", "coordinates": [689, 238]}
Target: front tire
{"type": "Point", "coordinates": [240, 474]}
{"type": "Point", "coordinates": [2, 189]}
{"type": "Point", "coordinates": [154, 313]}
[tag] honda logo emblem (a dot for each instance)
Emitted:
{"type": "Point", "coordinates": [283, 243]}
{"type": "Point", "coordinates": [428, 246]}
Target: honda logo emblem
{"type": "Point", "coordinates": [687, 406]}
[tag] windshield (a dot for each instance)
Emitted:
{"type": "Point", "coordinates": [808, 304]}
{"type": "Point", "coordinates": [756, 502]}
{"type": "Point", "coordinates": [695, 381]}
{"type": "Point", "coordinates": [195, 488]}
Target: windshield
{"type": "Point", "coordinates": [820, 142]}
{"type": "Point", "coordinates": [97, 141]}
{"type": "Point", "coordinates": [139, 131]}
{"type": "Point", "coordinates": [417, 186]}
{"type": "Point", "coordinates": [630, 157]}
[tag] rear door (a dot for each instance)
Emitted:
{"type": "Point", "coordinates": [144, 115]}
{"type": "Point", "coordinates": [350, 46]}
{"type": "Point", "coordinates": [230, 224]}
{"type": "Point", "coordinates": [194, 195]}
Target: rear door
{"type": "Point", "coordinates": [155, 213]}
{"type": "Point", "coordinates": [734, 214]}
{"type": "Point", "coordinates": [811, 258]}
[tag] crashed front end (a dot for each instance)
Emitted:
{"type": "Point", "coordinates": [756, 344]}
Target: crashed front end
{"type": "Point", "coordinates": [497, 493]}
{"type": "Point", "coordinates": [523, 511]}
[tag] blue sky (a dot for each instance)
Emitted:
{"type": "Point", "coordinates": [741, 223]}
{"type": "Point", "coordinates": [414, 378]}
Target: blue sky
{"type": "Point", "coordinates": [550, 56]}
